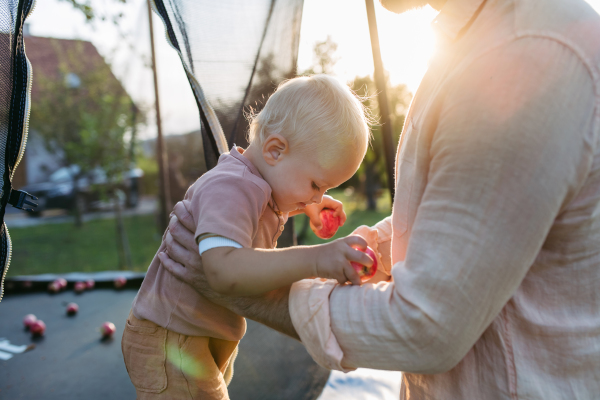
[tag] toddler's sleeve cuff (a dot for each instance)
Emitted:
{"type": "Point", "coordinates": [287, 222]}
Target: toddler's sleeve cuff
{"type": "Point", "coordinates": [210, 242]}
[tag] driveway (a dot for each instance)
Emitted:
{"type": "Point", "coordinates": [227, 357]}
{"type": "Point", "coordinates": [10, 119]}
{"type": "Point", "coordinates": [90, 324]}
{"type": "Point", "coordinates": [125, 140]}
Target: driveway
{"type": "Point", "coordinates": [16, 218]}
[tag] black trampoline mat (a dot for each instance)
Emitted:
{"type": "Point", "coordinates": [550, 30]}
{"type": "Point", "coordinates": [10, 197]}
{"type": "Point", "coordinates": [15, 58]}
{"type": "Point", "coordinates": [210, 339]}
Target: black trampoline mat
{"type": "Point", "coordinates": [71, 362]}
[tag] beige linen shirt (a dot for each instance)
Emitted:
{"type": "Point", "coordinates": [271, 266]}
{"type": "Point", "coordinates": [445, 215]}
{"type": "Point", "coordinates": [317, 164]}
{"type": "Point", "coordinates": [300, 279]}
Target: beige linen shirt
{"type": "Point", "coordinates": [231, 200]}
{"type": "Point", "coordinates": [495, 229]}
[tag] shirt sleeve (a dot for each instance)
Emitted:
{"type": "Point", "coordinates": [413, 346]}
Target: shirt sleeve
{"type": "Point", "coordinates": [513, 144]}
{"type": "Point", "coordinates": [230, 206]}
{"type": "Point", "coordinates": [211, 242]}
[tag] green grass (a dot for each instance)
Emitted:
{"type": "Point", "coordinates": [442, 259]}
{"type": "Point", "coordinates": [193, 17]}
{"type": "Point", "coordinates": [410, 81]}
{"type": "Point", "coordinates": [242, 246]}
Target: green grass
{"type": "Point", "coordinates": [356, 212]}
{"type": "Point", "coordinates": [62, 248]}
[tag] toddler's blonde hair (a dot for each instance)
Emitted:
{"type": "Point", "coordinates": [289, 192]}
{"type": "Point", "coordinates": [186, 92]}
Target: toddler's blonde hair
{"type": "Point", "coordinates": [316, 114]}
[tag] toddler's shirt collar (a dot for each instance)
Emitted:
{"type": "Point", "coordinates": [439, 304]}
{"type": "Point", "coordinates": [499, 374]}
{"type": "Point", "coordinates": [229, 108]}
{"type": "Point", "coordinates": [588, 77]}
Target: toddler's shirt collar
{"type": "Point", "coordinates": [237, 153]}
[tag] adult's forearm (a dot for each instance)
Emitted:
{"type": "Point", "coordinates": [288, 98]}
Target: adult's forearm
{"type": "Point", "coordinates": [270, 309]}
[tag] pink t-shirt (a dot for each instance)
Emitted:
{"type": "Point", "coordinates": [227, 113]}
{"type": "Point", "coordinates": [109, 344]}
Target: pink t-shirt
{"type": "Point", "coordinates": [231, 200]}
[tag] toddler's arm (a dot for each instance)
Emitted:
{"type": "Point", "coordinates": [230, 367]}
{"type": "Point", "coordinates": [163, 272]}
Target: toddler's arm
{"type": "Point", "coordinates": [247, 272]}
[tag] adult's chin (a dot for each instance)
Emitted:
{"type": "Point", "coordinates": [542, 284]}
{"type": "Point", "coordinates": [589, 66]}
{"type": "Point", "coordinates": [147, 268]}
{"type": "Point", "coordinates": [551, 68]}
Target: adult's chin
{"type": "Point", "coordinates": [400, 6]}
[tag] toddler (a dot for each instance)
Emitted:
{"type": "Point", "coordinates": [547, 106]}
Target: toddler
{"type": "Point", "coordinates": [311, 136]}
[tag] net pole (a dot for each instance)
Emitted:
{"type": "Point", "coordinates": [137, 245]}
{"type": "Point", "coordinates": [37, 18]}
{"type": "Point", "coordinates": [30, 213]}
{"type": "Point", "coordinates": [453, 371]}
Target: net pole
{"type": "Point", "coordinates": [382, 99]}
{"type": "Point", "coordinates": [161, 154]}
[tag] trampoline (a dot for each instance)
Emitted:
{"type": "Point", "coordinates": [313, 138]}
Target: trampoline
{"type": "Point", "coordinates": [72, 361]}
{"type": "Point", "coordinates": [234, 54]}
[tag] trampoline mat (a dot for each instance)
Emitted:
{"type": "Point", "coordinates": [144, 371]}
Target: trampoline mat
{"type": "Point", "coordinates": [71, 362]}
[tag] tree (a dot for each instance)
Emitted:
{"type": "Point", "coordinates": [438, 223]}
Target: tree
{"type": "Point", "coordinates": [82, 112]}
{"type": "Point", "coordinates": [372, 173]}
{"type": "Point", "coordinates": [324, 57]}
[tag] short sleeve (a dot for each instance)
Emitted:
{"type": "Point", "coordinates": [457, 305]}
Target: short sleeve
{"type": "Point", "coordinates": [229, 205]}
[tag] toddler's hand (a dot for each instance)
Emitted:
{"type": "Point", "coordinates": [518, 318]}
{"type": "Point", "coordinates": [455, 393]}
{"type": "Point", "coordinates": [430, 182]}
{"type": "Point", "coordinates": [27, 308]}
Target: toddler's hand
{"type": "Point", "coordinates": [313, 212]}
{"type": "Point", "coordinates": [333, 259]}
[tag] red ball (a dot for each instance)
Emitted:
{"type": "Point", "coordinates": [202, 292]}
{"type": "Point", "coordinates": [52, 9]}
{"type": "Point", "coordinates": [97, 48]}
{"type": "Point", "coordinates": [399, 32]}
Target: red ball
{"type": "Point", "coordinates": [79, 287]}
{"type": "Point", "coordinates": [62, 282]}
{"type": "Point", "coordinates": [54, 287]}
{"type": "Point", "coordinates": [107, 329]}
{"type": "Point", "coordinates": [72, 308]}
{"type": "Point", "coordinates": [28, 320]}
{"type": "Point", "coordinates": [330, 224]}
{"type": "Point", "coordinates": [89, 284]}
{"type": "Point", "coordinates": [120, 282]}
{"type": "Point", "coordinates": [365, 272]}
{"type": "Point", "coordinates": [37, 328]}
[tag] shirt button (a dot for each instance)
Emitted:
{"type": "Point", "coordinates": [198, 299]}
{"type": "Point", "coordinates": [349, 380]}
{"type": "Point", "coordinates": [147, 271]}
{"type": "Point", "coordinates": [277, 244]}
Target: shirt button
{"type": "Point", "coordinates": [281, 228]}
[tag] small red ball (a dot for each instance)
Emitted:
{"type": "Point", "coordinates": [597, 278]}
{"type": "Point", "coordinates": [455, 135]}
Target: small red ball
{"type": "Point", "coordinates": [28, 320]}
{"type": "Point", "coordinates": [107, 329]}
{"type": "Point", "coordinates": [38, 328]}
{"type": "Point", "coordinates": [54, 287]}
{"type": "Point", "coordinates": [330, 224]}
{"type": "Point", "coordinates": [79, 287]}
{"type": "Point", "coordinates": [365, 272]}
{"type": "Point", "coordinates": [62, 282]}
{"type": "Point", "coordinates": [120, 282]}
{"type": "Point", "coordinates": [72, 308]}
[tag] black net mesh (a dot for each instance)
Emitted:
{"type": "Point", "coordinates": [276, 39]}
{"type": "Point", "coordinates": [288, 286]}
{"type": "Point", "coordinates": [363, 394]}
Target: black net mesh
{"type": "Point", "coordinates": [14, 108]}
{"type": "Point", "coordinates": [7, 28]}
{"type": "Point", "coordinates": [235, 53]}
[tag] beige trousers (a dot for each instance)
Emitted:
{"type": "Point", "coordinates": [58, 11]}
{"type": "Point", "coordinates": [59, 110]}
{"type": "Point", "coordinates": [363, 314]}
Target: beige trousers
{"type": "Point", "coordinates": [166, 365]}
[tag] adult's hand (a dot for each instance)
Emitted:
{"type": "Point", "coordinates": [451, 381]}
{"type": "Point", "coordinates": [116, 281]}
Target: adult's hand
{"type": "Point", "coordinates": [182, 258]}
{"type": "Point", "coordinates": [184, 262]}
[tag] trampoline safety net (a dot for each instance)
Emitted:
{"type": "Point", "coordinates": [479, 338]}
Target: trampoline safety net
{"type": "Point", "coordinates": [15, 89]}
{"type": "Point", "coordinates": [235, 53]}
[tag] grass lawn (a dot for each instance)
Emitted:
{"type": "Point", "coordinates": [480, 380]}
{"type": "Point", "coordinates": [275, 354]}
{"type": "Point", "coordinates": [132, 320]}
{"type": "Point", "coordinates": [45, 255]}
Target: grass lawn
{"type": "Point", "coordinates": [62, 248]}
{"type": "Point", "coordinates": [356, 212]}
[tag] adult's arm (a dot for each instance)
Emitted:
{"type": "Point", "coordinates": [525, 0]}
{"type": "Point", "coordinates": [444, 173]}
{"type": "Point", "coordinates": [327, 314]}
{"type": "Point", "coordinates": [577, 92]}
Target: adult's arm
{"type": "Point", "coordinates": [185, 263]}
{"type": "Point", "coordinates": [513, 144]}
{"type": "Point", "coordinates": [270, 309]}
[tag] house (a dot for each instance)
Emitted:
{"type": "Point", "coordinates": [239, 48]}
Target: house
{"type": "Point", "coordinates": [50, 58]}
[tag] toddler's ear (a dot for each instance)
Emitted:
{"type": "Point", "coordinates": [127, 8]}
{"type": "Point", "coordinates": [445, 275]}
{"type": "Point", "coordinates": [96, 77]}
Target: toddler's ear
{"type": "Point", "coordinates": [274, 147]}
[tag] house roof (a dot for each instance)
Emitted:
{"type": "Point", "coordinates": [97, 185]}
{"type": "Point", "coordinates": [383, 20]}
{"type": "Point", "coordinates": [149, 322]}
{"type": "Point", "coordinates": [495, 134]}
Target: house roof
{"type": "Point", "coordinates": [52, 57]}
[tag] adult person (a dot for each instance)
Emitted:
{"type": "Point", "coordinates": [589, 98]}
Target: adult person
{"type": "Point", "coordinates": [495, 231]}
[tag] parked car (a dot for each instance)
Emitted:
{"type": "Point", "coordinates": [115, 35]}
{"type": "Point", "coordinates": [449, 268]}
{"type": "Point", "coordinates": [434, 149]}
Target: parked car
{"type": "Point", "coordinates": [59, 191]}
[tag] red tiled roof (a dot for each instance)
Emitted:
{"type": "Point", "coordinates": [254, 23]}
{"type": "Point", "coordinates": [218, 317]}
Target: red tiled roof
{"type": "Point", "coordinates": [50, 57]}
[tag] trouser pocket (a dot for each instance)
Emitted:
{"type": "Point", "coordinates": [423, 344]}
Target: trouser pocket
{"type": "Point", "coordinates": [144, 351]}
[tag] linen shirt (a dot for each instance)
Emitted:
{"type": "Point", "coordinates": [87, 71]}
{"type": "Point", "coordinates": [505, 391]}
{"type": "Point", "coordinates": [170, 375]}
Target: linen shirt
{"type": "Point", "coordinates": [233, 201]}
{"type": "Point", "coordinates": [495, 229]}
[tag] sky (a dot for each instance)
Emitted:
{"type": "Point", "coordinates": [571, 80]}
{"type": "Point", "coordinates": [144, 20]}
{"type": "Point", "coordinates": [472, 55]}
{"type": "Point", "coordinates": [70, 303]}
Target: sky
{"type": "Point", "coordinates": [406, 43]}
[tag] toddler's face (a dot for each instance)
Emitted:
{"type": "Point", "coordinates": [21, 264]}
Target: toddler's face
{"type": "Point", "coordinates": [300, 179]}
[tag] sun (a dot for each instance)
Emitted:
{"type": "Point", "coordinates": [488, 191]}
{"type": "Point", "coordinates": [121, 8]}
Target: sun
{"type": "Point", "coordinates": [406, 40]}
{"type": "Point", "coordinates": [407, 43]}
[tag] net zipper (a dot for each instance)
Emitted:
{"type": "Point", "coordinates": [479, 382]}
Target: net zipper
{"type": "Point", "coordinates": [24, 137]}
{"type": "Point", "coordinates": [27, 111]}
{"type": "Point", "coordinates": [8, 258]}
